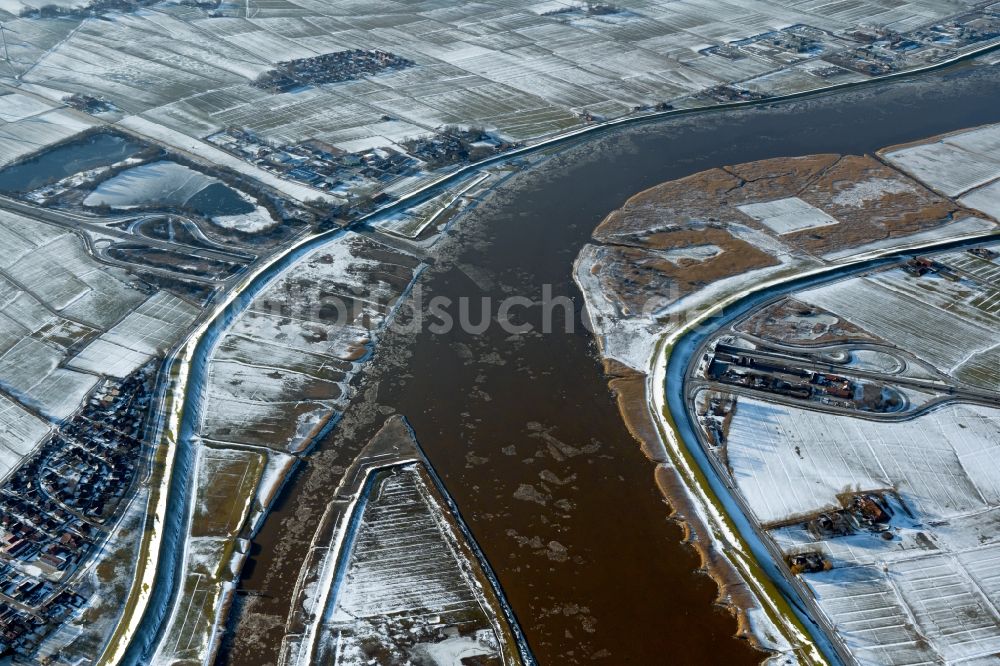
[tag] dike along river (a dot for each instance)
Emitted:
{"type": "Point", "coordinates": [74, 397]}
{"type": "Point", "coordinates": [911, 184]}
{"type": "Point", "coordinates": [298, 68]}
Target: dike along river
{"type": "Point", "coordinates": [522, 428]}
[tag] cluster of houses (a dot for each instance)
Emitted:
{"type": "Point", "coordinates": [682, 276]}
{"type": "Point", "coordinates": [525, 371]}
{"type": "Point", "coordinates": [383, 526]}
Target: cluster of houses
{"type": "Point", "coordinates": [883, 49]}
{"type": "Point", "coordinates": [328, 168]}
{"type": "Point", "coordinates": [56, 507]}
{"type": "Point", "coordinates": [21, 629]}
{"type": "Point", "coordinates": [90, 104]}
{"type": "Point", "coordinates": [590, 9]}
{"type": "Point", "coordinates": [786, 45]}
{"type": "Point", "coordinates": [871, 59]}
{"type": "Point", "coordinates": [962, 31]}
{"type": "Point", "coordinates": [455, 145]}
{"type": "Point", "coordinates": [333, 67]}
{"type": "Point", "coordinates": [314, 162]}
{"type": "Point", "coordinates": [731, 93]}
{"type": "Point", "coordinates": [921, 266]}
{"type": "Point", "coordinates": [871, 50]}
{"type": "Point", "coordinates": [983, 253]}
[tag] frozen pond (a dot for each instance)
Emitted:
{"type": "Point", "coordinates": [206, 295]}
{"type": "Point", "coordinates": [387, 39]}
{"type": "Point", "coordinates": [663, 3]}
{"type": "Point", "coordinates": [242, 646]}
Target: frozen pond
{"type": "Point", "coordinates": [166, 183]}
{"type": "Point", "coordinates": [58, 163]}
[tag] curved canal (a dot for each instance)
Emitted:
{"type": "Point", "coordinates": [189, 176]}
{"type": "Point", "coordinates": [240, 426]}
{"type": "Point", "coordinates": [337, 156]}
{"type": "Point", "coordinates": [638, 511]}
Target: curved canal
{"type": "Point", "coordinates": [684, 355]}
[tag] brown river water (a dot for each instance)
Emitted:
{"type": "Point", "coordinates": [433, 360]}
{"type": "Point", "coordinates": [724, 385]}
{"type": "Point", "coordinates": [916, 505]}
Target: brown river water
{"type": "Point", "coordinates": [523, 429]}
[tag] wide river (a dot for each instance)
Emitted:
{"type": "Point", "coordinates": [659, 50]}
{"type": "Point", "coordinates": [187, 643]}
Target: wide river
{"type": "Point", "coordinates": [522, 428]}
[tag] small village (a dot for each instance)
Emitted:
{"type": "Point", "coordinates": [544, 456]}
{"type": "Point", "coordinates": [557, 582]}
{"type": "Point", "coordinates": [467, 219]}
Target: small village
{"type": "Point", "coordinates": [59, 505]}
{"type": "Point", "coordinates": [315, 162]}
{"type": "Point", "coordinates": [328, 168]}
{"type": "Point", "coordinates": [329, 68]}
{"type": "Point", "coordinates": [869, 50]}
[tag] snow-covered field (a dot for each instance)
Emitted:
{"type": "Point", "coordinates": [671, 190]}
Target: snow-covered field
{"type": "Point", "coordinates": [928, 605]}
{"type": "Point", "coordinates": [402, 561]}
{"type": "Point", "coordinates": [20, 431]}
{"type": "Point", "coordinates": [30, 371]}
{"type": "Point", "coordinates": [65, 321]}
{"type": "Point", "coordinates": [946, 167]}
{"type": "Point", "coordinates": [148, 330]}
{"type": "Point", "coordinates": [407, 589]}
{"type": "Point", "coordinates": [282, 371]}
{"type": "Point", "coordinates": [865, 607]}
{"type": "Point", "coordinates": [985, 199]}
{"type": "Point", "coordinates": [928, 594]}
{"type": "Point", "coordinates": [786, 216]}
{"type": "Point", "coordinates": [207, 580]}
{"type": "Point", "coordinates": [942, 462]}
{"type": "Point", "coordinates": [15, 107]}
{"type": "Point", "coordinates": [52, 267]}
{"type": "Point", "coordinates": [955, 164]}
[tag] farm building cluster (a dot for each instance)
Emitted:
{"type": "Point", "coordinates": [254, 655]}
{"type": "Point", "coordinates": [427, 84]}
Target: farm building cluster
{"type": "Point", "coordinates": [361, 178]}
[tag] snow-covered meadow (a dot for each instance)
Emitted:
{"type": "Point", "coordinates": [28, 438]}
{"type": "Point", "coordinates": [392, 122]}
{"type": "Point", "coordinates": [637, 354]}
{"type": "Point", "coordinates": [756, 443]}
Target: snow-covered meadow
{"type": "Point", "coordinates": [926, 590]}
{"type": "Point", "coordinates": [408, 589]}
{"type": "Point", "coordinates": [282, 371]}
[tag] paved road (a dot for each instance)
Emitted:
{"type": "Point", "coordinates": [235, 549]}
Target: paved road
{"type": "Point", "coordinates": [80, 222]}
